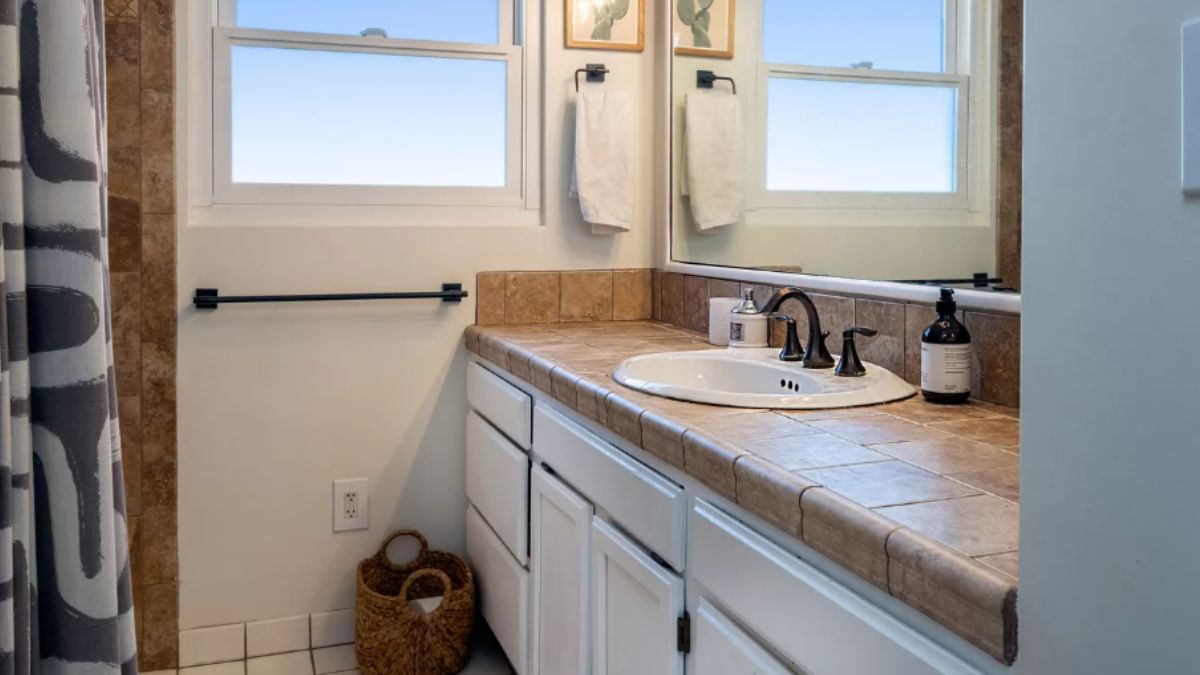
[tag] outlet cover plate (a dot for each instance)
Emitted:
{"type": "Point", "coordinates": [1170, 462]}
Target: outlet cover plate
{"type": "Point", "coordinates": [351, 507]}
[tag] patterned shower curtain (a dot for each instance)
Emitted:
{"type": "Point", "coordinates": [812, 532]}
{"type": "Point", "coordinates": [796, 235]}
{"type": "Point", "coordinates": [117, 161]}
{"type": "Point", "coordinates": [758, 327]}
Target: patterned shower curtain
{"type": "Point", "coordinates": [65, 593]}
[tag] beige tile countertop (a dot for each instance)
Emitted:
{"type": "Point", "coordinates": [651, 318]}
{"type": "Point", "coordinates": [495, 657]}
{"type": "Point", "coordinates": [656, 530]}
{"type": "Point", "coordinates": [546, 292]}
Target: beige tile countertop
{"type": "Point", "coordinates": [917, 499]}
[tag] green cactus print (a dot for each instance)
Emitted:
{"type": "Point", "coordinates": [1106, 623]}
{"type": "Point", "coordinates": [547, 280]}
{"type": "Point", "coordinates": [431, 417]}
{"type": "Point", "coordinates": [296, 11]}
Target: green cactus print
{"type": "Point", "coordinates": [696, 18]}
{"type": "Point", "coordinates": [606, 15]}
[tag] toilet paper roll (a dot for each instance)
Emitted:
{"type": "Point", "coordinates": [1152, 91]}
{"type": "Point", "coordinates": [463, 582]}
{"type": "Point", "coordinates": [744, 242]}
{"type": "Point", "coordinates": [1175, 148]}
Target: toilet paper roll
{"type": "Point", "coordinates": [718, 319]}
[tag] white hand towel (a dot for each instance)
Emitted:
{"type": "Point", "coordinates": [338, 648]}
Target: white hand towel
{"type": "Point", "coordinates": [602, 178]}
{"type": "Point", "coordinates": [713, 164]}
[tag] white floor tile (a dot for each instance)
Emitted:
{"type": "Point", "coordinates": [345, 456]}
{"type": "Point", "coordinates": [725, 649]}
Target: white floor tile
{"type": "Point", "coordinates": [486, 659]}
{"type": "Point", "coordinates": [212, 645]}
{"type": "Point", "coordinates": [334, 659]}
{"type": "Point", "coordinates": [295, 663]}
{"type": "Point", "coordinates": [234, 668]}
{"type": "Point", "coordinates": [333, 628]}
{"type": "Point", "coordinates": [277, 636]}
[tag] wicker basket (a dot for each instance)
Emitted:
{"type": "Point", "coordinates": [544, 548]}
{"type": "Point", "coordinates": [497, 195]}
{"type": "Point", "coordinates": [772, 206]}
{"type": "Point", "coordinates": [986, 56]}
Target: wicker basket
{"type": "Point", "coordinates": [392, 638]}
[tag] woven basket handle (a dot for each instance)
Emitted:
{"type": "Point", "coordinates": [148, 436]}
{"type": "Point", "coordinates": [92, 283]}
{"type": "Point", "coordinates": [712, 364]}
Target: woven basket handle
{"type": "Point", "coordinates": [427, 572]}
{"type": "Point", "coordinates": [416, 562]}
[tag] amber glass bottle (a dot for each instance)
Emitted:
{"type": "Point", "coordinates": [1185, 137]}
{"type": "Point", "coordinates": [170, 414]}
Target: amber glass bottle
{"type": "Point", "coordinates": [946, 355]}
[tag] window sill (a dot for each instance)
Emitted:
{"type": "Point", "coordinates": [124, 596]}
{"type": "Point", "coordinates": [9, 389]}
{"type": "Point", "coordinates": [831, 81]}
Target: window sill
{"type": "Point", "coordinates": [866, 217]}
{"type": "Point", "coordinates": [293, 215]}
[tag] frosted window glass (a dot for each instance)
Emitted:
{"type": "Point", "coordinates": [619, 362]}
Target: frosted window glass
{"type": "Point", "coordinates": [476, 21]}
{"type": "Point", "coordinates": [344, 118]}
{"type": "Point", "coordinates": [893, 34]}
{"type": "Point", "coordinates": [860, 137]}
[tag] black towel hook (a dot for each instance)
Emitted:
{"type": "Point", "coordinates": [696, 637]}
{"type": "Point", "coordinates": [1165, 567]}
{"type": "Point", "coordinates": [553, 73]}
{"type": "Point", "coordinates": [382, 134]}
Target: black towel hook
{"type": "Point", "coordinates": [595, 73]}
{"type": "Point", "coordinates": [706, 78]}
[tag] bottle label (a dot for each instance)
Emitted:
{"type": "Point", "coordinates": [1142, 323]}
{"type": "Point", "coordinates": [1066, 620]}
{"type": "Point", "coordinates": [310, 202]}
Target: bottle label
{"type": "Point", "coordinates": [946, 369]}
{"type": "Point", "coordinates": [749, 332]}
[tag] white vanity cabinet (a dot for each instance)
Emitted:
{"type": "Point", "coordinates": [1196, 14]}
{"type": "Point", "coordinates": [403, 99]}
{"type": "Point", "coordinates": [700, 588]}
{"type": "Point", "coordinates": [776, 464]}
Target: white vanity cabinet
{"type": "Point", "coordinates": [593, 560]}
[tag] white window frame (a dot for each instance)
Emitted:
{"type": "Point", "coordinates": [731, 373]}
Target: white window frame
{"type": "Point", "coordinates": [214, 198]}
{"type": "Point", "coordinates": [967, 49]}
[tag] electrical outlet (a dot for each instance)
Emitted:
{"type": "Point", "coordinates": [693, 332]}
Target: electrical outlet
{"type": "Point", "coordinates": [350, 505]}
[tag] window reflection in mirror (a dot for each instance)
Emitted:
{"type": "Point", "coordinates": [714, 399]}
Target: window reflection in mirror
{"type": "Point", "coordinates": [870, 139]}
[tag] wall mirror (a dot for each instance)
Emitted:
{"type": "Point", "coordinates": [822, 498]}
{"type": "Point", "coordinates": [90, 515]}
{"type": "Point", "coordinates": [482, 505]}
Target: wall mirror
{"type": "Point", "coordinates": [864, 139]}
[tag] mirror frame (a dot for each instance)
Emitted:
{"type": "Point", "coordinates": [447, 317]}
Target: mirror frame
{"type": "Point", "coordinates": [986, 301]}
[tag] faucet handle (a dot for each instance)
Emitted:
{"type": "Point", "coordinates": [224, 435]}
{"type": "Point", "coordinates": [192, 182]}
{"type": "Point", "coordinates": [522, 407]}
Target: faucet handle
{"type": "Point", "coordinates": [850, 365]}
{"type": "Point", "coordinates": [792, 349]}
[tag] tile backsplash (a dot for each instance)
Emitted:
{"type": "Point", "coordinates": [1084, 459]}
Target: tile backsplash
{"type": "Point", "coordinates": [551, 297]}
{"type": "Point", "coordinates": [682, 299]}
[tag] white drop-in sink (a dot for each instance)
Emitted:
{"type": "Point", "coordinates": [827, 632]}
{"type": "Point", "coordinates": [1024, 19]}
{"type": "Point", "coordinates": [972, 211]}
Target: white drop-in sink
{"type": "Point", "coordinates": [756, 378]}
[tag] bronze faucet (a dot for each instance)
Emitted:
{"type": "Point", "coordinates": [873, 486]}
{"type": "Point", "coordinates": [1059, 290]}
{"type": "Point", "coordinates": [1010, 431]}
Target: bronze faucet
{"type": "Point", "coordinates": [816, 354]}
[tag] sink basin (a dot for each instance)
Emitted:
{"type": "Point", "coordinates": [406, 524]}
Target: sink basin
{"type": "Point", "coordinates": [756, 378]}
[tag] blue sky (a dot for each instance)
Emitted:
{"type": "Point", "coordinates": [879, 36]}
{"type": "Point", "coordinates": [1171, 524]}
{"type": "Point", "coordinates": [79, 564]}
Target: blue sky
{"type": "Point", "coordinates": [844, 136]}
{"type": "Point", "coordinates": [369, 119]}
{"type": "Point", "coordinates": [327, 117]}
{"type": "Point", "coordinates": [894, 34]}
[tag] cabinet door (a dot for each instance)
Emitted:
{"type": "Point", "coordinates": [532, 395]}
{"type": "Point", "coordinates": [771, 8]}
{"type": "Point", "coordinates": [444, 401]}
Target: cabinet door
{"type": "Point", "coordinates": [561, 526]}
{"type": "Point", "coordinates": [722, 648]}
{"type": "Point", "coordinates": [636, 605]}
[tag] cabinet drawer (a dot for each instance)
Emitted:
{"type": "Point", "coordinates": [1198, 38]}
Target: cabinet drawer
{"type": "Point", "coordinates": [502, 404]}
{"type": "Point", "coordinates": [644, 503]}
{"type": "Point", "coordinates": [804, 614]}
{"type": "Point", "coordinates": [503, 589]}
{"type": "Point", "coordinates": [498, 484]}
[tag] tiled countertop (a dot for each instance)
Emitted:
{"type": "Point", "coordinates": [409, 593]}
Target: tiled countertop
{"type": "Point", "coordinates": [919, 500]}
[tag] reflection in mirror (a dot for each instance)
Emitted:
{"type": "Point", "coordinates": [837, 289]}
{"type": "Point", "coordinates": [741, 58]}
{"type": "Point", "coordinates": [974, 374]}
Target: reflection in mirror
{"type": "Point", "coordinates": [871, 139]}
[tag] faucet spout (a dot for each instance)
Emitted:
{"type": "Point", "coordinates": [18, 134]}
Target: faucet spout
{"type": "Point", "coordinates": [816, 354]}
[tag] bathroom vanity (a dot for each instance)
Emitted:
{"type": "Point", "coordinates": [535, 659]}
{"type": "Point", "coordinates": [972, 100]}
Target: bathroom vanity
{"type": "Point", "coordinates": [616, 532]}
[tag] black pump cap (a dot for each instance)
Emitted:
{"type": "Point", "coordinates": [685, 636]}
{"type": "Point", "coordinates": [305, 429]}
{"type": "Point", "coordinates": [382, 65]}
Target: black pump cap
{"type": "Point", "coordinates": [946, 304]}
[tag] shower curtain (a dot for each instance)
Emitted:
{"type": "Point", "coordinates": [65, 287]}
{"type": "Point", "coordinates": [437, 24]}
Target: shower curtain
{"type": "Point", "coordinates": [65, 592]}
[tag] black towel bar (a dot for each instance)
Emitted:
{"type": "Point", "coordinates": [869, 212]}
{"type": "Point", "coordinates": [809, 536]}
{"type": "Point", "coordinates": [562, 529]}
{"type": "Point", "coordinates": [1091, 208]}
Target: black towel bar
{"type": "Point", "coordinates": [210, 298]}
{"type": "Point", "coordinates": [595, 73]}
{"type": "Point", "coordinates": [706, 78]}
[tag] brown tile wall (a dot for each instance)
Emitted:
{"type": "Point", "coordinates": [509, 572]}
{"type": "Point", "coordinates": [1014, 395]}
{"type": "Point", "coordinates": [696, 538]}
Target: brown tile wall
{"type": "Point", "coordinates": [1009, 106]}
{"type": "Point", "coordinates": [140, 81]}
{"type": "Point", "coordinates": [682, 300]}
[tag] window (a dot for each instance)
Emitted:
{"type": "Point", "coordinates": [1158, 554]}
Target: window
{"type": "Point", "coordinates": [390, 103]}
{"type": "Point", "coordinates": [871, 104]}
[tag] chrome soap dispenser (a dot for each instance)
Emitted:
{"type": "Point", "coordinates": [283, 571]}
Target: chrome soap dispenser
{"type": "Point", "coordinates": [747, 325]}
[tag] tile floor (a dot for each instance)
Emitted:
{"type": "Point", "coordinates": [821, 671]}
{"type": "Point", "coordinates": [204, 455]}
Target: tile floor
{"type": "Point", "coordinates": [486, 659]}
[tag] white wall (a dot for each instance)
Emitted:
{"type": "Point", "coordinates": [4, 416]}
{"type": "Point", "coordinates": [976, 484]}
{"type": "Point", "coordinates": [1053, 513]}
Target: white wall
{"type": "Point", "coordinates": [275, 402]}
{"type": "Point", "coordinates": [1109, 460]}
